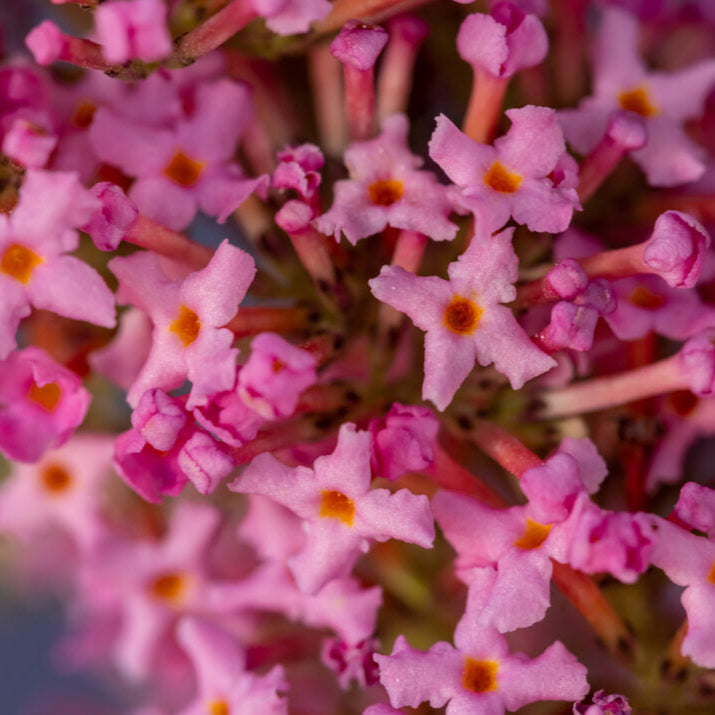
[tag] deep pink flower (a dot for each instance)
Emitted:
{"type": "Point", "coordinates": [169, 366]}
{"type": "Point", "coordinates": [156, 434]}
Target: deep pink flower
{"type": "Point", "coordinates": [41, 404]}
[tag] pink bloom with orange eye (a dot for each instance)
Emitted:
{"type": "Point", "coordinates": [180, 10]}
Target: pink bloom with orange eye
{"type": "Point", "coordinates": [41, 404]}
{"type": "Point", "coordinates": [341, 513]}
{"type": "Point", "coordinates": [33, 268]}
{"type": "Point", "coordinates": [479, 675]}
{"type": "Point", "coordinates": [463, 316]}
{"type": "Point", "coordinates": [664, 101]}
{"type": "Point", "coordinates": [510, 178]}
{"type": "Point", "coordinates": [188, 316]}
{"type": "Point", "coordinates": [386, 188]}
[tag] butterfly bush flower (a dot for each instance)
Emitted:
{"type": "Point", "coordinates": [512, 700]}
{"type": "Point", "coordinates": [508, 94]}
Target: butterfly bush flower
{"type": "Point", "coordinates": [185, 166]}
{"type": "Point", "coordinates": [41, 404]}
{"type": "Point", "coordinates": [509, 178]}
{"type": "Point", "coordinates": [34, 270]}
{"type": "Point", "coordinates": [479, 674]}
{"type": "Point", "coordinates": [663, 100]}
{"type": "Point", "coordinates": [188, 316]}
{"type": "Point", "coordinates": [463, 317]}
{"type": "Point", "coordinates": [224, 684]}
{"type": "Point", "coordinates": [63, 490]}
{"type": "Point", "coordinates": [129, 29]}
{"type": "Point", "coordinates": [342, 514]}
{"type": "Point", "coordinates": [386, 187]}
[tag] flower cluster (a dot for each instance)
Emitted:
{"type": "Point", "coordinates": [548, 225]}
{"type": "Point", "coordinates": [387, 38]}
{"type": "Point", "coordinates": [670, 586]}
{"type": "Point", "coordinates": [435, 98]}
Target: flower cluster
{"type": "Point", "coordinates": [317, 372]}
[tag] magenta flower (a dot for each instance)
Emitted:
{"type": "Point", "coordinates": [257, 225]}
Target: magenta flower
{"type": "Point", "coordinates": [479, 675]}
{"type": "Point", "coordinates": [663, 100]}
{"type": "Point", "coordinates": [510, 178]}
{"type": "Point", "coordinates": [33, 268]}
{"type": "Point", "coordinates": [41, 404]}
{"type": "Point", "coordinates": [188, 317]}
{"type": "Point", "coordinates": [342, 514]}
{"type": "Point", "coordinates": [463, 318]}
{"type": "Point", "coordinates": [387, 188]}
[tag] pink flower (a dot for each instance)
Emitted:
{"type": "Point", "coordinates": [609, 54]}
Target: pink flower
{"type": "Point", "coordinates": [64, 491]}
{"type": "Point", "coordinates": [187, 166]}
{"type": "Point", "coordinates": [386, 188]}
{"type": "Point", "coordinates": [129, 29]}
{"type": "Point", "coordinates": [33, 268]}
{"type": "Point", "coordinates": [41, 404]}
{"type": "Point", "coordinates": [274, 376]}
{"type": "Point", "coordinates": [479, 675]}
{"type": "Point", "coordinates": [463, 318]}
{"type": "Point", "coordinates": [664, 100]}
{"type": "Point", "coordinates": [189, 340]}
{"type": "Point", "coordinates": [403, 440]}
{"type": "Point", "coordinates": [342, 514]}
{"type": "Point", "coordinates": [224, 684]}
{"type": "Point", "coordinates": [502, 42]}
{"type": "Point", "coordinates": [510, 178]}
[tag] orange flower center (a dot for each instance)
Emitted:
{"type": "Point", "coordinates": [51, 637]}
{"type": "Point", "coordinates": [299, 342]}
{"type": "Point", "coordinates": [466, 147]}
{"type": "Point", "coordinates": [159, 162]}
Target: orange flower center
{"type": "Point", "coordinates": [187, 326]}
{"type": "Point", "coordinates": [183, 170]}
{"type": "Point", "coordinates": [385, 192]}
{"type": "Point", "coordinates": [218, 707]}
{"type": "Point", "coordinates": [337, 506]}
{"type": "Point", "coordinates": [462, 315]}
{"type": "Point", "coordinates": [646, 299]}
{"type": "Point", "coordinates": [499, 178]}
{"type": "Point", "coordinates": [84, 114]}
{"type": "Point", "coordinates": [682, 402]}
{"type": "Point", "coordinates": [55, 478]}
{"type": "Point", "coordinates": [534, 535]}
{"type": "Point", "coordinates": [170, 587]}
{"type": "Point", "coordinates": [711, 575]}
{"type": "Point", "coordinates": [638, 100]}
{"type": "Point", "coordinates": [480, 676]}
{"type": "Point", "coordinates": [18, 262]}
{"type": "Point", "coordinates": [46, 396]}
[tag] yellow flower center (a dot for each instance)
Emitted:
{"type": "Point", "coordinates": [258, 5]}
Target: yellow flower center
{"type": "Point", "coordinates": [337, 506]}
{"type": "Point", "coordinates": [55, 478]}
{"type": "Point", "coordinates": [534, 535]}
{"type": "Point", "coordinates": [46, 396]}
{"type": "Point", "coordinates": [462, 315]}
{"type": "Point", "coordinates": [183, 170]}
{"type": "Point", "coordinates": [385, 192]}
{"type": "Point", "coordinates": [18, 262]}
{"type": "Point", "coordinates": [169, 587]}
{"type": "Point", "coordinates": [711, 575]}
{"type": "Point", "coordinates": [480, 676]}
{"type": "Point", "coordinates": [187, 326]}
{"type": "Point", "coordinates": [499, 178]}
{"type": "Point", "coordinates": [638, 100]}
